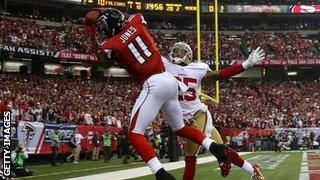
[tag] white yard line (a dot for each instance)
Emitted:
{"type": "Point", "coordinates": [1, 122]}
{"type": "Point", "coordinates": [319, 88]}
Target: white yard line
{"type": "Point", "coordinates": [249, 160]}
{"type": "Point", "coordinates": [304, 172]}
{"type": "Point", "coordinates": [142, 171]}
{"type": "Point", "coordinates": [278, 162]}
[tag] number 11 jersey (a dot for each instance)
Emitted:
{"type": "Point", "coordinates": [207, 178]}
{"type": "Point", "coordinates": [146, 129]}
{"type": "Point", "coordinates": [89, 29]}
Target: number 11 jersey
{"type": "Point", "coordinates": [135, 50]}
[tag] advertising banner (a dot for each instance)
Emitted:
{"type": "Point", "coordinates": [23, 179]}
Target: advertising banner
{"type": "Point", "coordinates": [238, 132]}
{"type": "Point", "coordinates": [257, 9]}
{"type": "Point", "coordinates": [305, 9]}
{"type": "Point", "coordinates": [41, 52]}
{"type": "Point", "coordinates": [31, 135]}
{"type": "Point", "coordinates": [35, 136]}
{"type": "Point", "coordinates": [75, 56]}
{"type": "Point", "coordinates": [26, 50]}
{"type": "Point", "coordinates": [277, 62]}
{"type": "Point", "coordinates": [65, 131]}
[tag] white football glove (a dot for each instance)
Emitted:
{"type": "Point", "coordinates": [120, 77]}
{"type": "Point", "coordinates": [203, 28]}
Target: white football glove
{"type": "Point", "coordinates": [256, 56]}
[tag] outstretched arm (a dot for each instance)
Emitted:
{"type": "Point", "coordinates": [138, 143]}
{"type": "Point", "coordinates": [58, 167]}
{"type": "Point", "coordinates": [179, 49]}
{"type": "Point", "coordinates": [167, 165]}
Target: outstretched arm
{"type": "Point", "coordinates": [90, 29]}
{"type": "Point", "coordinates": [256, 56]}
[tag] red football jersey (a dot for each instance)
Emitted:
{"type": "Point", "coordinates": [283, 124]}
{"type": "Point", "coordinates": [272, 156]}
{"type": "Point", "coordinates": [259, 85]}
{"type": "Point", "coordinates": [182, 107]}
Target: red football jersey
{"type": "Point", "coordinates": [135, 49]}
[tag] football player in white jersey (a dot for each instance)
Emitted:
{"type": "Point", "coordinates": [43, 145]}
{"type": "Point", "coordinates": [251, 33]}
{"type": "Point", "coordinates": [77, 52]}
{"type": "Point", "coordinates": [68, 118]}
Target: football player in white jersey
{"type": "Point", "coordinates": [196, 113]}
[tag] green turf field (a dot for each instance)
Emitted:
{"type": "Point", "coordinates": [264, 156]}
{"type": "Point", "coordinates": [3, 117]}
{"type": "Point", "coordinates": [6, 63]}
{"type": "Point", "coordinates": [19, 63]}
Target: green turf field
{"type": "Point", "coordinates": [69, 170]}
{"type": "Point", "coordinates": [276, 166]}
{"type": "Point", "coordinates": [288, 169]}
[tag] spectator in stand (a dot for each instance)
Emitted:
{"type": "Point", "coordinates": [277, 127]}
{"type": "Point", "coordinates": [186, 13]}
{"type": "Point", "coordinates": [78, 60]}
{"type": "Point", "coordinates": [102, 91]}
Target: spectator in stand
{"type": "Point", "coordinates": [88, 119]}
{"type": "Point", "coordinates": [52, 116]}
{"type": "Point", "coordinates": [281, 103]}
{"type": "Point", "coordinates": [36, 111]}
{"type": "Point", "coordinates": [15, 113]}
{"type": "Point", "coordinates": [55, 143]}
{"type": "Point", "coordinates": [106, 146]}
{"type": "Point", "coordinates": [95, 144]}
{"type": "Point", "coordinates": [234, 142]}
{"type": "Point", "coordinates": [108, 120]}
{"type": "Point", "coordinates": [278, 45]}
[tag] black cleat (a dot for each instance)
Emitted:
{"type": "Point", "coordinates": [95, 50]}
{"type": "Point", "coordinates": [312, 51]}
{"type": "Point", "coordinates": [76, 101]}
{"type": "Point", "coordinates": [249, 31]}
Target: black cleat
{"type": "Point", "coordinates": [220, 152]}
{"type": "Point", "coordinates": [164, 175]}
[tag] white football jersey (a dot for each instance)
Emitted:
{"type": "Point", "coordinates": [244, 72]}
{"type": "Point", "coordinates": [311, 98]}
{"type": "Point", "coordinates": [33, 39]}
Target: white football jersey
{"type": "Point", "coordinates": [191, 76]}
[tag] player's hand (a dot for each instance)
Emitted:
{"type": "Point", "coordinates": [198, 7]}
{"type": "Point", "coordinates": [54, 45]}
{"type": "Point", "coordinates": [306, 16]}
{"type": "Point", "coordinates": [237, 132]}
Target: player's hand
{"type": "Point", "coordinates": [256, 56]}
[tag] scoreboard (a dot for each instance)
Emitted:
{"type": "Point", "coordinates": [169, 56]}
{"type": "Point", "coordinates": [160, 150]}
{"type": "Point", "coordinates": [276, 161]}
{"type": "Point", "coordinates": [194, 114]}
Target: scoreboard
{"type": "Point", "coordinates": [150, 6]}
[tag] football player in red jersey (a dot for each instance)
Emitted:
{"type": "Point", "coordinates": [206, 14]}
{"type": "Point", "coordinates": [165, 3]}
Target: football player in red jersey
{"type": "Point", "coordinates": [131, 45]}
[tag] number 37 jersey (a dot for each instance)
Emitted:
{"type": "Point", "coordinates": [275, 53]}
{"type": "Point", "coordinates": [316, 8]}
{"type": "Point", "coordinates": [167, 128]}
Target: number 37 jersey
{"type": "Point", "coordinates": [191, 76]}
{"type": "Point", "coordinates": [134, 49]}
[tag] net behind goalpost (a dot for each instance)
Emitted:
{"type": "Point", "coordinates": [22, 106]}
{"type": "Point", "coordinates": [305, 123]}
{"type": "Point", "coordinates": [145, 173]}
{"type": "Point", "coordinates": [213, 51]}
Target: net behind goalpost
{"type": "Point", "coordinates": [215, 98]}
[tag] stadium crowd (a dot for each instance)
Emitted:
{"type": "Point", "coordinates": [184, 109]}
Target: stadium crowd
{"type": "Point", "coordinates": [264, 105]}
{"type": "Point", "coordinates": [27, 33]}
{"type": "Point", "coordinates": [236, 26]}
{"type": "Point", "coordinates": [57, 99]}
{"type": "Point", "coordinates": [283, 45]}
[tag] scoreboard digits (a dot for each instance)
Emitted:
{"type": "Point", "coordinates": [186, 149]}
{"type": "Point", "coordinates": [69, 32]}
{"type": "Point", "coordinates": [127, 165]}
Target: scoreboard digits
{"type": "Point", "coordinates": [154, 6]}
{"type": "Point", "coordinates": [173, 7]}
{"type": "Point", "coordinates": [147, 6]}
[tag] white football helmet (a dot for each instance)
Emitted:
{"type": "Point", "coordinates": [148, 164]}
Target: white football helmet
{"type": "Point", "coordinates": [181, 52]}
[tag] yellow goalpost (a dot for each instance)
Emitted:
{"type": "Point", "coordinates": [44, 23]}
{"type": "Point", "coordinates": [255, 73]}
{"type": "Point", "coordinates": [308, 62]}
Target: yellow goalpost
{"type": "Point", "coordinates": [216, 98]}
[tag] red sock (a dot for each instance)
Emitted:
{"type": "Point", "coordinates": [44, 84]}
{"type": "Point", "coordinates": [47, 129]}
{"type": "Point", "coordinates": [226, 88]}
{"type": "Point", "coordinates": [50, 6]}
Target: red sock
{"type": "Point", "coordinates": [235, 158]}
{"type": "Point", "coordinates": [191, 134]}
{"type": "Point", "coordinates": [142, 146]}
{"type": "Point", "coordinates": [190, 168]}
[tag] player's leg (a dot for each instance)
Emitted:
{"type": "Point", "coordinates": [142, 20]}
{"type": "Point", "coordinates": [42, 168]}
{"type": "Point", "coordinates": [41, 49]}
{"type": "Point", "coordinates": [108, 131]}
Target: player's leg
{"type": "Point", "coordinates": [173, 113]}
{"type": "Point", "coordinates": [147, 106]}
{"type": "Point", "coordinates": [192, 149]}
{"type": "Point", "coordinates": [203, 122]}
{"type": "Point", "coordinates": [144, 112]}
{"type": "Point", "coordinates": [234, 158]}
{"type": "Point", "coordinates": [237, 160]}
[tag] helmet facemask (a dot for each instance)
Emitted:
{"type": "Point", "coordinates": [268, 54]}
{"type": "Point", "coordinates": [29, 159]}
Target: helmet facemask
{"type": "Point", "coordinates": [110, 22]}
{"type": "Point", "coordinates": [181, 53]}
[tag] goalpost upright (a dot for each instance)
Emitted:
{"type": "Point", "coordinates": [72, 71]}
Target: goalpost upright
{"type": "Point", "coordinates": [216, 99]}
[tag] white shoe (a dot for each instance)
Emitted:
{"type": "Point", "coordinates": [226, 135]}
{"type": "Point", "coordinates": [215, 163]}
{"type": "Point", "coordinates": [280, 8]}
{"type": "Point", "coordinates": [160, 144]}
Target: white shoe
{"type": "Point", "coordinates": [76, 162]}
